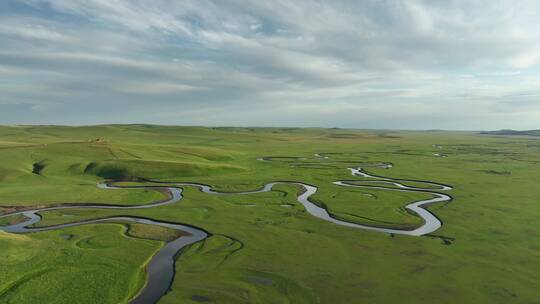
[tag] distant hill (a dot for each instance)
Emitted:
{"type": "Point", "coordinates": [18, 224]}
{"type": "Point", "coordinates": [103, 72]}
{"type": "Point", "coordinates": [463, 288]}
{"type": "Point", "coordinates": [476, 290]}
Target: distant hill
{"type": "Point", "coordinates": [513, 132]}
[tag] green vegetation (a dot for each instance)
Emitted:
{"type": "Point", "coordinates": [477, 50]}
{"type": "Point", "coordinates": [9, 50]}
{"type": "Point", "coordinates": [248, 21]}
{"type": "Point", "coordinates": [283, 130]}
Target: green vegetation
{"type": "Point", "coordinates": [152, 232]}
{"type": "Point", "coordinates": [87, 264]}
{"type": "Point", "coordinates": [12, 220]}
{"type": "Point", "coordinates": [261, 251]}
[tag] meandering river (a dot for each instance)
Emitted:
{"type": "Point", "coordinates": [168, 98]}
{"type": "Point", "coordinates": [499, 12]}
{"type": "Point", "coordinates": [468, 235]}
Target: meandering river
{"type": "Point", "coordinates": [160, 269]}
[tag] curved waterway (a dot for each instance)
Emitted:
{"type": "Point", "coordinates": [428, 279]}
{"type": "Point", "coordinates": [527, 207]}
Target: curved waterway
{"type": "Point", "coordinates": [160, 269]}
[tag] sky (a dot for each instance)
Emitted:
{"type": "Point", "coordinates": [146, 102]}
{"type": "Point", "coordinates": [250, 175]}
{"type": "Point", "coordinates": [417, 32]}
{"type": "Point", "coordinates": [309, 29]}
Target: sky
{"type": "Point", "coordinates": [438, 64]}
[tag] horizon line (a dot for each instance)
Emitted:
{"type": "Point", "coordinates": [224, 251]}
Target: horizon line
{"type": "Point", "coordinates": [258, 127]}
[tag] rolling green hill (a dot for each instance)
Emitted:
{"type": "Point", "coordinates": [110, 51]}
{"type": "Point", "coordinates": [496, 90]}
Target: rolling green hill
{"type": "Point", "coordinates": [264, 247]}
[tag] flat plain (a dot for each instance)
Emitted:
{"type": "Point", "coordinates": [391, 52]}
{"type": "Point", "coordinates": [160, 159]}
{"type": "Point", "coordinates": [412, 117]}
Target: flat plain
{"type": "Point", "coordinates": [265, 247]}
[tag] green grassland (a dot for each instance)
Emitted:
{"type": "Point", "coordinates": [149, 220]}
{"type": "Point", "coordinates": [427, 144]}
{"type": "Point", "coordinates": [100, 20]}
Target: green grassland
{"type": "Point", "coordinates": [94, 263]}
{"type": "Point", "coordinates": [264, 247]}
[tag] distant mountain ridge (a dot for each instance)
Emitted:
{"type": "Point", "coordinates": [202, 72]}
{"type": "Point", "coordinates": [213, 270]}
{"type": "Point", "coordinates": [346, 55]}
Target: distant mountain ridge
{"type": "Point", "coordinates": [513, 132]}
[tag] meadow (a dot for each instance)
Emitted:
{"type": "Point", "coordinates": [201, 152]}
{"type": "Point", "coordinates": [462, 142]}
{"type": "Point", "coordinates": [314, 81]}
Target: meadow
{"type": "Point", "coordinates": [265, 248]}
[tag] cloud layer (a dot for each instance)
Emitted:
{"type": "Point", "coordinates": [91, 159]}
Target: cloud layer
{"type": "Point", "coordinates": [364, 64]}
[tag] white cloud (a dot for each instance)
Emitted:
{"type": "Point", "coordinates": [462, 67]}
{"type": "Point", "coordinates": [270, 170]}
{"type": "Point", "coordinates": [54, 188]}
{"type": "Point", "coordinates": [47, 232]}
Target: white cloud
{"type": "Point", "coordinates": [306, 56]}
{"type": "Point", "coordinates": [33, 32]}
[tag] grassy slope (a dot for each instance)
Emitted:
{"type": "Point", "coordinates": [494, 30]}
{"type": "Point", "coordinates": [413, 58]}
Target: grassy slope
{"type": "Point", "coordinates": [88, 264]}
{"type": "Point", "coordinates": [286, 254]}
